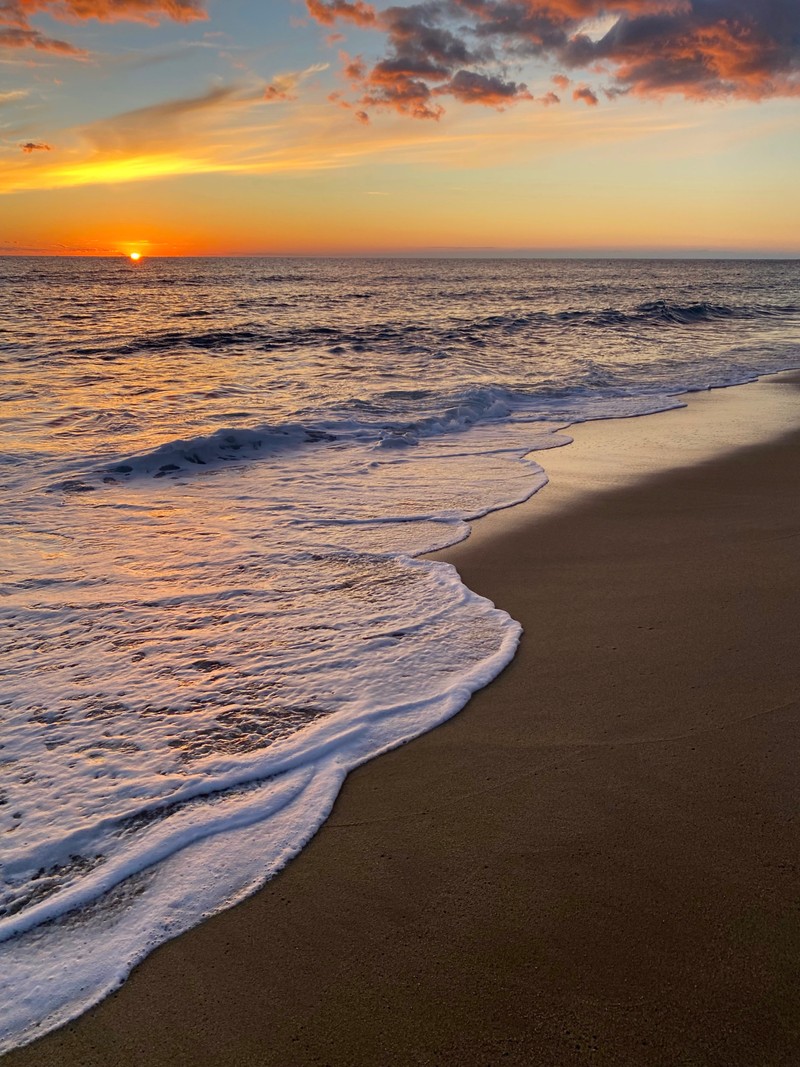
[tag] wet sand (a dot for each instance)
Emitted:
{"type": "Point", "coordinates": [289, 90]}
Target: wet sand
{"type": "Point", "coordinates": [596, 862]}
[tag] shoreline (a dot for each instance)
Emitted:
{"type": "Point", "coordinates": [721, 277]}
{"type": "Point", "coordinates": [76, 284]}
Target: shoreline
{"type": "Point", "coordinates": [400, 868]}
{"type": "Point", "coordinates": [606, 455]}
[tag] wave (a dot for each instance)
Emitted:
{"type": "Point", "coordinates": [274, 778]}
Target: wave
{"type": "Point", "coordinates": [379, 335]}
{"type": "Point", "coordinates": [398, 419]}
{"type": "Point", "coordinates": [229, 445]}
{"type": "Point", "coordinates": [661, 312]}
{"type": "Point", "coordinates": [383, 423]}
{"type": "Point", "coordinates": [686, 314]}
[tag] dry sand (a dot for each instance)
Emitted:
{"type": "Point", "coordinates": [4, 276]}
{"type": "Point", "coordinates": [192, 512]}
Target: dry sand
{"type": "Point", "coordinates": [596, 862]}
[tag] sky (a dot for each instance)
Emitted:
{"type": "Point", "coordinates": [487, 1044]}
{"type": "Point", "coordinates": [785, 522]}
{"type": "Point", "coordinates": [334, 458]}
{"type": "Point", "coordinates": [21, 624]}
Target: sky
{"type": "Point", "coordinates": [447, 127]}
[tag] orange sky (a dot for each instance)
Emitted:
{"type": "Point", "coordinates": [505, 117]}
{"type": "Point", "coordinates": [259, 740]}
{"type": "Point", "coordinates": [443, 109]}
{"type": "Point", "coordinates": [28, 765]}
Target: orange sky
{"type": "Point", "coordinates": [247, 132]}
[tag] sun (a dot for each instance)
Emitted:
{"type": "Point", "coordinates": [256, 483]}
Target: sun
{"type": "Point", "coordinates": [136, 256]}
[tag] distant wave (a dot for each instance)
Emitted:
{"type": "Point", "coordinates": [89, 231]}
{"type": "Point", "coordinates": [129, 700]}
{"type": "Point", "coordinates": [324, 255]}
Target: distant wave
{"type": "Point", "coordinates": [662, 311]}
{"type": "Point", "coordinates": [378, 335]}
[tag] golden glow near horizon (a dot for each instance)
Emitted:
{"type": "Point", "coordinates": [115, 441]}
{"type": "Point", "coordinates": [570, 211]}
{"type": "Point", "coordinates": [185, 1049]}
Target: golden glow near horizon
{"type": "Point", "coordinates": [136, 256]}
{"type": "Point", "coordinates": [215, 152]}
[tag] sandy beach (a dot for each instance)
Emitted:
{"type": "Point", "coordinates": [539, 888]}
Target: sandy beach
{"type": "Point", "coordinates": [596, 861]}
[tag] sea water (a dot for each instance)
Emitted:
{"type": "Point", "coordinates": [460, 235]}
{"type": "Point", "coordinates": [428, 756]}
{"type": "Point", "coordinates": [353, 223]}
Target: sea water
{"type": "Point", "coordinates": [217, 478]}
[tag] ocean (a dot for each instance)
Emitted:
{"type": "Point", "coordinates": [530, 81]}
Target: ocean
{"type": "Point", "coordinates": [218, 478]}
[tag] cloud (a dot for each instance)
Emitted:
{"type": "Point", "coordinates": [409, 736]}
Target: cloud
{"type": "Point", "coordinates": [227, 130]}
{"type": "Point", "coordinates": [328, 11]}
{"type": "Point", "coordinates": [20, 37]}
{"type": "Point", "coordinates": [35, 146]}
{"type": "Point", "coordinates": [699, 49]}
{"type": "Point", "coordinates": [472, 88]}
{"type": "Point", "coordinates": [583, 92]}
{"type": "Point", "coordinates": [706, 49]}
{"type": "Point", "coordinates": [426, 59]}
{"type": "Point", "coordinates": [151, 11]}
{"type": "Point", "coordinates": [161, 127]}
{"type": "Point", "coordinates": [12, 95]}
{"type": "Point", "coordinates": [16, 30]}
{"type": "Point", "coordinates": [53, 248]}
{"type": "Point", "coordinates": [284, 86]}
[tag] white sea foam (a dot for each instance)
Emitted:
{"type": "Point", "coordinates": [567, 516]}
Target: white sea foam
{"type": "Point", "coordinates": [214, 651]}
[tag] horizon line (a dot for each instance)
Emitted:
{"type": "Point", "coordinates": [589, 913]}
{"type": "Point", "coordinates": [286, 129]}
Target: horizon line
{"type": "Point", "coordinates": [439, 253]}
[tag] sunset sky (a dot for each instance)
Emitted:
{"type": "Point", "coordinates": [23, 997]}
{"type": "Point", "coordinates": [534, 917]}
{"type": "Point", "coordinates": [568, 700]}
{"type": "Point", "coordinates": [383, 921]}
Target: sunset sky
{"type": "Point", "coordinates": [215, 127]}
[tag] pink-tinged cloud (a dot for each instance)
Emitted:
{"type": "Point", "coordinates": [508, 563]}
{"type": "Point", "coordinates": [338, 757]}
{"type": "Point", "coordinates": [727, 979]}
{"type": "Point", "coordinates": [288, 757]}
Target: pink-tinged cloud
{"type": "Point", "coordinates": [700, 49]}
{"type": "Point", "coordinates": [328, 11]}
{"type": "Point", "coordinates": [386, 88]}
{"type": "Point", "coordinates": [35, 146]}
{"type": "Point", "coordinates": [17, 37]}
{"type": "Point", "coordinates": [111, 10]}
{"type": "Point", "coordinates": [275, 93]}
{"type": "Point", "coordinates": [16, 30]}
{"type": "Point", "coordinates": [584, 93]}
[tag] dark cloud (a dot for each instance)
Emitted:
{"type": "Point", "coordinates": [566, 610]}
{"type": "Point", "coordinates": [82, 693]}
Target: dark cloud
{"type": "Point", "coordinates": [708, 48]}
{"type": "Point", "coordinates": [700, 49]}
{"type": "Point", "coordinates": [472, 88]}
{"type": "Point", "coordinates": [35, 146]}
{"type": "Point", "coordinates": [427, 58]}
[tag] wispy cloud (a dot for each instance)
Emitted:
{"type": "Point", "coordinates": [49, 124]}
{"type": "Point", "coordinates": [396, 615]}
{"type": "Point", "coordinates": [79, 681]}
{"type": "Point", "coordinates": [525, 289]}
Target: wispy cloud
{"type": "Point", "coordinates": [284, 86]}
{"type": "Point", "coordinates": [229, 130]}
{"type": "Point", "coordinates": [219, 131]}
{"type": "Point", "coordinates": [53, 248]}
{"type": "Point", "coordinates": [162, 126]}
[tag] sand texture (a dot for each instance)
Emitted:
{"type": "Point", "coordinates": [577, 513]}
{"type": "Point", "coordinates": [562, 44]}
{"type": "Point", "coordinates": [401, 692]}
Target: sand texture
{"type": "Point", "coordinates": [596, 862]}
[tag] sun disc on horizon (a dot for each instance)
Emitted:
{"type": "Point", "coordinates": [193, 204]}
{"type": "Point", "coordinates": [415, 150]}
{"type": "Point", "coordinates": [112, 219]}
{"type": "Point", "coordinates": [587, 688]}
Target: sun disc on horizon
{"type": "Point", "coordinates": [136, 256]}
